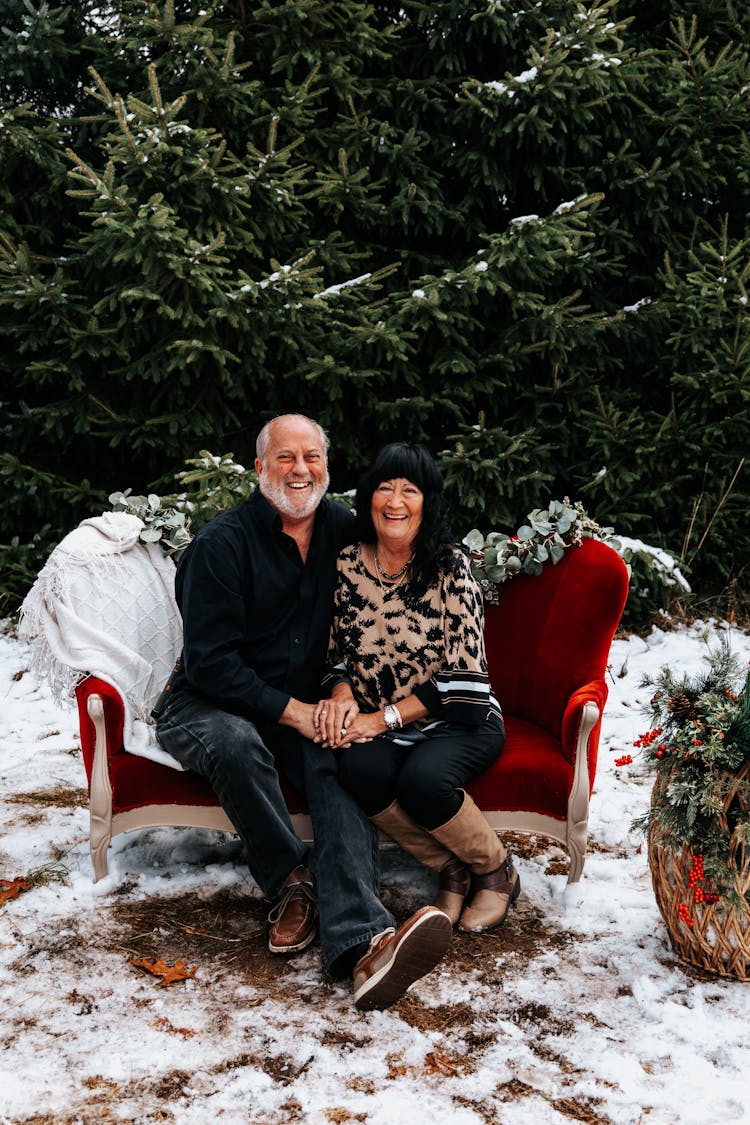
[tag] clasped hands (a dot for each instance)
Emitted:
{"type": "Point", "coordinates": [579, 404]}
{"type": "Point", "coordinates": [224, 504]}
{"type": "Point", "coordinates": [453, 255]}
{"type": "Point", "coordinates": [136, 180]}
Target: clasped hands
{"type": "Point", "coordinates": [339, 722]}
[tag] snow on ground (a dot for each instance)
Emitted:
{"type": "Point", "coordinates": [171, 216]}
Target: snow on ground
{"type": "Point", "coordinates": [576, 1010]}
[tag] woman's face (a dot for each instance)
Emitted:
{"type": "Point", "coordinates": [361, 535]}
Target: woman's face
{"type": "Point", "coordinates": [396, 512]}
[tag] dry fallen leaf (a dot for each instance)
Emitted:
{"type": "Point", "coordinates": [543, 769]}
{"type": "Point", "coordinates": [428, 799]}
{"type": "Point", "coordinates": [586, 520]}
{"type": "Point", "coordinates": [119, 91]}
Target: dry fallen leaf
{"type": "Point", "coordinates": [163, 1024]}
{"type": "Point", "coordinates": [169, 973]}
{"type": "Point", "coordinates": [11, 888]}
{"type": "Point", "coordinates": [439, 1064]}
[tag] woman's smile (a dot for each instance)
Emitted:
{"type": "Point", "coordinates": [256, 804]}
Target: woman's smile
{"type": "Point", "coordinates": [397, 514]}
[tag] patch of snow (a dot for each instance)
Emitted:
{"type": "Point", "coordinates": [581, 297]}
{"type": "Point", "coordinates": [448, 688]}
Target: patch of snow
{"type": "Point", "coordinates": [577, 1005]}
{"type": "Point", "coordinates": [661, 559]}
{"type": "Point", "coordinates": [332, 290]}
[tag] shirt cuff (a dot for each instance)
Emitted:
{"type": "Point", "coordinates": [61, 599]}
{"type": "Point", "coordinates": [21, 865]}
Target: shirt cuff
{"type": "Point", "coordinates": [272, 703]}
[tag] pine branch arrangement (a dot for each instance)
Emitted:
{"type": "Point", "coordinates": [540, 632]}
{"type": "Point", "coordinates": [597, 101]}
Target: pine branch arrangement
{"type": "Point", "coordinates": [699, 750]}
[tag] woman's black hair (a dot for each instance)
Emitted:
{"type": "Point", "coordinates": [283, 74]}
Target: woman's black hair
{"type": "Point", "coordinates": [434, 540]}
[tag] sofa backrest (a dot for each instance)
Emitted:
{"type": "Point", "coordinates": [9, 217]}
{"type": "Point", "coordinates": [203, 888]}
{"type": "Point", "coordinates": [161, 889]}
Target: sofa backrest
{"type": "Point", "coordinates": [551, 634]}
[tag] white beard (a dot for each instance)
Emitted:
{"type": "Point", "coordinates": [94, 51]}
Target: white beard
{"type": "Point", "coordinates": [277, 495]}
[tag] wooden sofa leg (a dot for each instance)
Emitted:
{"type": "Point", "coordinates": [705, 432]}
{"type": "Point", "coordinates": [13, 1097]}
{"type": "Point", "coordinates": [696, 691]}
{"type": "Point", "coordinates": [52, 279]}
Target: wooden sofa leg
{"type": "Point", "coordinates": [577, 860]}
{"type": "Point", "coordinates": [578, 802]}
{"type": "Point", "coordinates": [98, 846]}
{"type": "Point", "coordinates": [100, 796]}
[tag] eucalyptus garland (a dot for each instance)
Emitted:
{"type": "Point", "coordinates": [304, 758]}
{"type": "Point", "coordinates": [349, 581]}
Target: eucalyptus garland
{"type": "Point", "coordinates": [542, 539]}
{"type": "Point", "coordinates": [166, 526]}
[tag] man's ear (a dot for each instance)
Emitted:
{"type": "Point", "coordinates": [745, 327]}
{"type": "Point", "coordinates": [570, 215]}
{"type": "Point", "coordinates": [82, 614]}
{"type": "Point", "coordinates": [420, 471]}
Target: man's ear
{"type": "Point", "coordinates": [258, 466]}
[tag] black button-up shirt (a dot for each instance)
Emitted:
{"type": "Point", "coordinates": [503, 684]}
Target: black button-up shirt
{"type": "Point", "coordinates": [255, 618]}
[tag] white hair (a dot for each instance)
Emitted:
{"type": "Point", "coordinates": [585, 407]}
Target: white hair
{"type": "Point", "coordinates": [264, 437]}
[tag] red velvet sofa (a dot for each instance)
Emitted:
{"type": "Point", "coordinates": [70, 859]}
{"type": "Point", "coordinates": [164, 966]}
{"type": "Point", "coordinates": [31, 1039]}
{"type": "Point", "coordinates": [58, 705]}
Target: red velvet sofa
{"type": "Point", "coordinates": [548, 641]}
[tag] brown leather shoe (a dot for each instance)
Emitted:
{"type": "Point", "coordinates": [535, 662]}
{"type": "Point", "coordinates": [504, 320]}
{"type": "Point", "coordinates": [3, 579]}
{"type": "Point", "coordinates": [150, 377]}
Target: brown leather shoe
{"type": "Point", "coordinates": [292, 920]}
{"type": "Point", "coordinates": [396, 959]}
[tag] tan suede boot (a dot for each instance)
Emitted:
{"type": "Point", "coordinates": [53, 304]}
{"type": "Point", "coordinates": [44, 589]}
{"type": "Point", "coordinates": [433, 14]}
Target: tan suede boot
{"type": "Point", "coordinates": [495, 884]}
{"type": "Point", "coordinates": [417, 841]}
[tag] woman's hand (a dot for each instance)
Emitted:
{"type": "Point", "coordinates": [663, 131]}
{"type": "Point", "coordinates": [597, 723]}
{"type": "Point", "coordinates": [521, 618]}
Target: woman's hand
{"type": "Point", "coordinates": [364, 728]}
{"type": "Point", "coordinates": [333, 719]}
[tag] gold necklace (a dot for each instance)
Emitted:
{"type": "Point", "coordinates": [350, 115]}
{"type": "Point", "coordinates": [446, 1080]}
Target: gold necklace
{"type": "Point", "coordinates": [378, 571]}
{"type": "Point", "coordinates": [389, 585]}
{"type": "Point", "coordinates": [384, 573]}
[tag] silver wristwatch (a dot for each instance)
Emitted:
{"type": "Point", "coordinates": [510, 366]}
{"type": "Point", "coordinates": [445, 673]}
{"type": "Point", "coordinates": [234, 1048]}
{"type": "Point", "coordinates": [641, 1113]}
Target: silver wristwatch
{"type": "Point", "coordinates": [392, 716]}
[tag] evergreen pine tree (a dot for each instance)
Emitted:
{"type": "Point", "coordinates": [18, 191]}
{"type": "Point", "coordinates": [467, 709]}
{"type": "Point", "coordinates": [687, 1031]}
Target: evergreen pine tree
{"type": "Point", "coordinates": [514, 231]}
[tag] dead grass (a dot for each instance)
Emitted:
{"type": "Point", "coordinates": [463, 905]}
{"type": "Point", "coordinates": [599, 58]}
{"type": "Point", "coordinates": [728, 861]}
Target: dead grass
{"type": "Point", "coordinates": [222, 935]}
{"type": "Point", "coordinates": [441, 1018]}
{"type": "Point", "coordinates": [574, 1108]}
{"type": "Point", "coordinates": [62, 797]}
{"type": "Point", "coordinates": [52, 872]}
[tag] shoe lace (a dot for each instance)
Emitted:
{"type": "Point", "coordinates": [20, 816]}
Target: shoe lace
{"type": "Point", "coordinates": [379, 938]}
{"type": "Point", "coordinates": [293, 890]}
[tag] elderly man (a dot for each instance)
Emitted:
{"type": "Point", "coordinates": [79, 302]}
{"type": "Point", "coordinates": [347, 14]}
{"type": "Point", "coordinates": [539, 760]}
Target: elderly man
{"type": "Point", "coordinates": [255, 590]}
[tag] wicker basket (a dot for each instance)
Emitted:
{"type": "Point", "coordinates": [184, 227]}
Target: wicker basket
{"type": "Point", "coordinates": [719, 939]}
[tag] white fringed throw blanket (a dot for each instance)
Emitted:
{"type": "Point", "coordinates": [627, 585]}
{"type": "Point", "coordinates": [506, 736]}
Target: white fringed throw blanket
{"type": "Point", "coordinates": [104, 605]}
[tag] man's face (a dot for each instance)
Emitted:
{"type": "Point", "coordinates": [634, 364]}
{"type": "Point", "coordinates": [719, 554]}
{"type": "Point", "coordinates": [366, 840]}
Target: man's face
{"type": "Point", "coordinates": [294, 475]}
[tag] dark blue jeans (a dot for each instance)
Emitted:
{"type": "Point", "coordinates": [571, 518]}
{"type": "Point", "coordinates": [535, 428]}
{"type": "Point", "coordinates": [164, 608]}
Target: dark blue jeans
{"type": "Point", "coordinates": [241, 760]}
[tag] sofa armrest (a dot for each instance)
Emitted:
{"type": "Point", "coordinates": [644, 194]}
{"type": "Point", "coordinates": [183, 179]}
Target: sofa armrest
{"type": "Point", "coordinates": [581, 725]}
{"type": "Point", "coordinates": [113, 718]}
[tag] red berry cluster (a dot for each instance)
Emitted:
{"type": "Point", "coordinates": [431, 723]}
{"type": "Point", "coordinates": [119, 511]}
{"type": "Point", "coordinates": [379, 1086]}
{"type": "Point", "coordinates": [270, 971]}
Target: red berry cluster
{"type": "Point", "coordinates": [625, 760]}
{"type": "Point", "coordinates": [696, 876]}
{"type": "Point", "coordinates": [647, 738]}
{"type": "Point", "coordinates": [696, 871]}
{"type": "Point", "coordinates": [685, 915]}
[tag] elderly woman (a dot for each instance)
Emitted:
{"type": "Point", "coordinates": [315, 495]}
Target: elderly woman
{"type": "Point", "coordinates": [411, 711]}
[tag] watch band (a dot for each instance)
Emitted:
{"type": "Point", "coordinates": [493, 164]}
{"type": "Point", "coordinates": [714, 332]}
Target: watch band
{"type": "Point", "coordinates": [392, 717]}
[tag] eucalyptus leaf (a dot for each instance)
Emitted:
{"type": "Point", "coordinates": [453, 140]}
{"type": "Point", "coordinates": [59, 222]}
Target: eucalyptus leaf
{"type": "Point", "coordinates": [474, 540]}
{"type": "Point", "coordinates": [496, 573]}
{"type": "Point", "coordinates": [150, 535]}
{"type": "Point", "coordinates": [542, 526]}
{"type": "Point", "coordinates": [525, 533]}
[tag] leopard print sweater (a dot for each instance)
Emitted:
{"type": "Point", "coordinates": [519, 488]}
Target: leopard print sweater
{"type": "Point", "coordinates": [433, 648]}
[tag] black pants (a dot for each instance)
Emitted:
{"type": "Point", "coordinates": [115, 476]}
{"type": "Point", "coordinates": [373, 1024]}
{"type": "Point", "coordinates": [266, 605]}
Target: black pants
{"type": "Point", "coordinates": [425, 778]}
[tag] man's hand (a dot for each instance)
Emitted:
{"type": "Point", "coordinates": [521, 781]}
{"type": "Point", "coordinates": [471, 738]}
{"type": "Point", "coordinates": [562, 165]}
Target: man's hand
{"type": "Point", "coordinates": [301, 716]}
